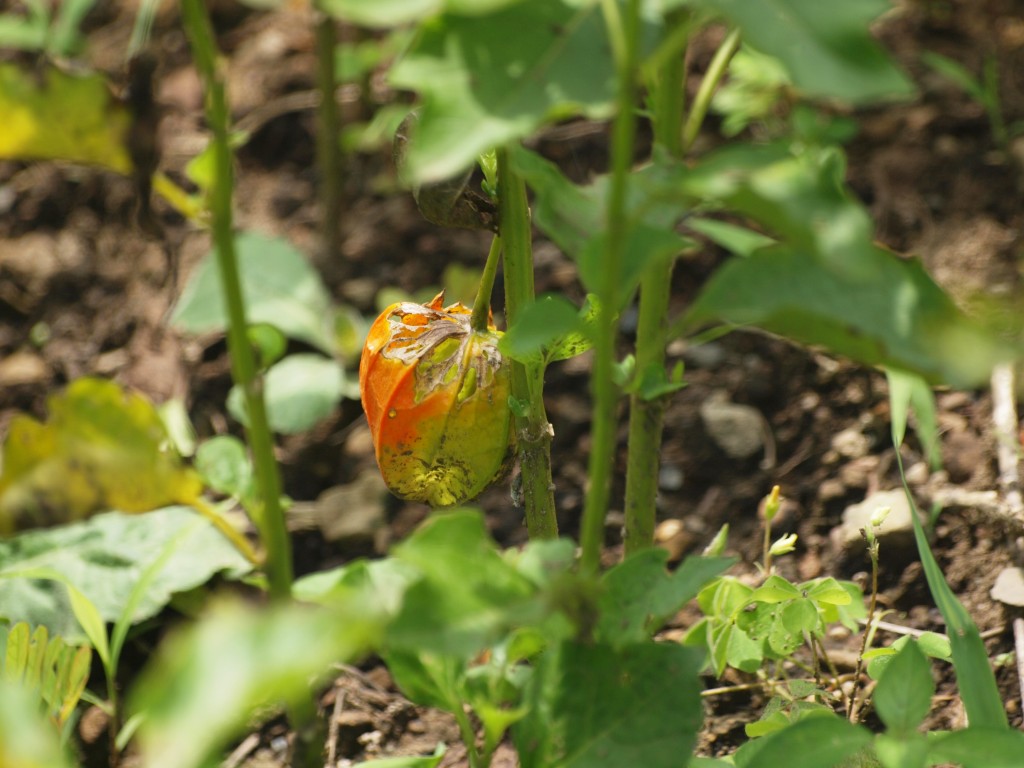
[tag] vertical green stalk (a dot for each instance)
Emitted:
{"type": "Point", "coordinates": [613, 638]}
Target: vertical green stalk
{"type": "Point", "coordinates": [328, 151]}
{"type": "Point", "coordinates": [269, 518]}
{"type": "Point", "coordinates": [533, 432]}
{"type": "Point", "coordinates": [646, 415]}
{"type": "Point", "coordinates": [604, 390]}
{"type": "Point", "coordinates": [482, 305]}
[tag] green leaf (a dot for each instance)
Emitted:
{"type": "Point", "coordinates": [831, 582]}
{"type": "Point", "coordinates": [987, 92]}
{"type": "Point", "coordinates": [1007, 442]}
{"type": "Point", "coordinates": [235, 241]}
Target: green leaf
{"type": "Point", "coordinates": [206, 682]}
{"type": "Point", "coordinates": [970, 658]}
{"type": "Point", "coordinates": [384, 582]}
{"type": "Point", "coordinates": [640, 594]}
{"type": "Point", "coordinates": [539, 326]}
{"type": "Point", "coordinates": [903, 695]}
{"type": "Point", "coordinates": [103, 558]}
{"type": "Point", "coordinates": [827, 49]}
{"type": "Point", "coordinates": [775, 590]}
{"type": "Point", "coordinates": [428, 679]}
{"type": "Point", "coordinates": [739, 240]}
{"type": "Point", "coordinates": [956, 73]}
{"type": "Point", "coordinates": [224, 463]}
{"type": "Point", "coordinates": [489, 79]}
{"type": "Point", "coordinates": [826, 590]}
{"type": "Point", "coordinates": [590, 706]}
{"type": "Point", "coordinates": [429, 761]}
{"type": "Point", "coordinates": [800, 616]}
{"type": "Point", "coordinates": [724, 597]}
{"type": "Point", "coordinates": [102, 448]}
{"type": "Point", "coordinates": [468, 593]}
{"type": "Point", "coordinates": [896, 316]}
{"type": "Point", "coordinates": [280, 289]}
{"type": "Point", "coordinates": [812, 742]}
{"type": "Point", "coordinates": [26, 739]}
{"type": "Point", "coordinates": [903, 750]}
{"type": "Point", "coordinates": [54, 115]}
{"type": "Point", "coordinates": [978, 747]}
{"type": "Point", "coordinates": [301, 391]}
{"type": "Point", "coordinates": [391, 13]}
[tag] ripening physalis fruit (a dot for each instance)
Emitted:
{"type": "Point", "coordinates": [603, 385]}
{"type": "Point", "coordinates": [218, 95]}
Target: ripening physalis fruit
{"type": "Point", "coordinates": [435, 392]}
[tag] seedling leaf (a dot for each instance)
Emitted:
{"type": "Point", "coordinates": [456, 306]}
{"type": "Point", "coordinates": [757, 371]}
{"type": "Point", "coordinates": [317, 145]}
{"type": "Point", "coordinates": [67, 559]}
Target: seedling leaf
{"type": "Point", "coordinates": [821, 741]}
{"type": "Point", "coordinates": [978, 747]}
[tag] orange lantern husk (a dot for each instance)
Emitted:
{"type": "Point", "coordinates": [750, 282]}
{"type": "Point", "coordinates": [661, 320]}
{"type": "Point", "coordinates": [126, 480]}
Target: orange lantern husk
{"type": "Point", "coordinates": [435, 392]}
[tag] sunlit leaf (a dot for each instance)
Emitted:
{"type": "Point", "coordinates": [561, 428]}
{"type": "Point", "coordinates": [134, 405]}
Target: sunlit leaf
{"type": "Point", "coordinates": [103, 557]}
{"type": "Point", "coordinates": [26, 739]}
{"type": "Point", "coordinates": [54, 115]}
{"type": "Point", "coordinates": [813, 742]}
{"type": "Point", "coordinates": [102, 448]}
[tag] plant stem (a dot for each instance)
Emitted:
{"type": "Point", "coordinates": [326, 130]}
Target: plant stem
{"type": "Point", "coordinates": [702, 101]}
{"type": "Point", "coordinates": [269, 517]}
{"type": "Point", "coordinates": [481, 316]}
{"type": "Point", "coordinates": [605, 392]}
{"type": "Point", "coordinates": [853, 710]}
{"type": "Point", "coordinates": [646, 415]}
{"type": "Point", "coordinates": [533, 432]}
{"type": "Point", "coordinates": [328, 151]}
{"type": "Point", "coordinates": [207, 510]}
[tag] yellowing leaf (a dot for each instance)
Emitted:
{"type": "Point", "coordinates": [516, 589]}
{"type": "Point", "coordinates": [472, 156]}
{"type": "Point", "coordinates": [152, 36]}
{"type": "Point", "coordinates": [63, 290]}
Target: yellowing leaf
{"type": "Point", "coordinates": [49, 114]}
{"type": "Point", "coordinates": [102, 448]}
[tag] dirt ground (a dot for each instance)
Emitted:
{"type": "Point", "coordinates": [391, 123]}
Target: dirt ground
{"type": "Point", "coordinates": [84, 292]}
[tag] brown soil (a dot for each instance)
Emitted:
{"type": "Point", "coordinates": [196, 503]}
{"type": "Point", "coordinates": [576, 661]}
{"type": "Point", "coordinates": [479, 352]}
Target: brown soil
{"type": "Point", "coordinates": [84, 292]}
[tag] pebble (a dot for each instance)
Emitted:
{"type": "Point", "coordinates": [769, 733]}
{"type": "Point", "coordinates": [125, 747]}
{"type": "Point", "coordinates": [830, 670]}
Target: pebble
{"type": "Point", "coordinates": [1009, 587]}
{"type": "Point", "coordinates": [670, 478]}
{"type": "Point", "coordinates": [896, 531]}
{"type": "Point", "coordinates": [851, 443]}
{"type": "Point", "coordinates": [736, 429]}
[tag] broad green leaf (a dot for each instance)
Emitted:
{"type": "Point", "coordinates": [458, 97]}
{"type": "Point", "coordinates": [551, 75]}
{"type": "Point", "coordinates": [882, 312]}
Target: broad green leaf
{"type": "Point", "coordinates": [724, 597]}
{"type": "Point", "coordinates": [827, 48]}
{"type": "Point", "coordinates": [895, 315]}
{"type": "Point", "coordinates": [24, 33]}
{"type": "Point", "coordinates": [800, 616]}
{"type": "Point", "coordinates": [970, 658]}
{"type": "Point", "coordinates": [488, 79]}
{"type": "Point", "coordinates": [382, 581]}
{"type": "Point", "coordinates": [903, 750]}
{"type": "Point", "coordinates": [543, 326]}
{"type": "Point", "coordinates": [54, 115]}
{"type": "Point", "coordinates": [591, 706]}
{"type": "Point", "coordinates": [974, 674]}
{"type": "Point", "coordinates": [468, 593]}
{"type": "Point", "coordinates": [391, 13]}
{"type": "Point", "coordinates": [978, 747]}
{"type": "Point", "coordinates": [280, 288]}
{"type": "Point", "coordinates": [739, 240]}
{"type": "Point", "coordinates": [26, 739]}
{"type": "Point", "coordinates": [103, 558]}
{"type": "Point", "coordinates": [300, 391]}
{"type": "Point", "coordinates": [428, 761]}
{"type": "Point", "coordinates": [903, 695]}
{"type": "Point", "coordinates": [826, 590]}
{"type": "Point", "coordinates": [206, 682]}
{"type": "Point", "coordinates": [812, 742]}
{"type": "Point", "coordinates": [224, 463]}
{"type": "Point", "coordinates": [428, 679]}
{"type": "Point", "coordinates": [775, 590]}
{"type": "Point", "coordinates": [640, 593]}
{"type": "Point", "coordinates": [102, 448]}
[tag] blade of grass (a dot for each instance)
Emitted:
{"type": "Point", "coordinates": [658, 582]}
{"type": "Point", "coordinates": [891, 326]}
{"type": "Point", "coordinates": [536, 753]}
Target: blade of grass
{"type": "Point", "coordinates": [970, 659]}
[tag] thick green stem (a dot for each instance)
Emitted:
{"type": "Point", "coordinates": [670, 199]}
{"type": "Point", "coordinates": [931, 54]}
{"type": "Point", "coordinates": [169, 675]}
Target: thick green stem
{"type": "Point", "coordinates": [481, 316]}
{"type": "Point", "coordinates": [269, 518]}
{"type": "Point", "coordinates": [646, 415]}
{"type": "Point", "coordinates": [605, 393]}
{"type": "Point", "coordinates": [533, 431]}
{"type": "Point", "coordinates": [328, 150]}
